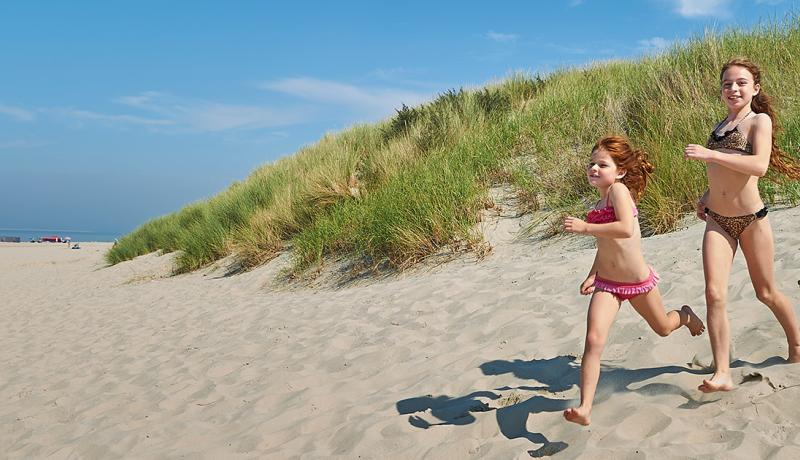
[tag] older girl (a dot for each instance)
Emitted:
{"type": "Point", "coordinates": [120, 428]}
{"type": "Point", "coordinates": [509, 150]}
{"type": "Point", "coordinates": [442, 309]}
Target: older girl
{"type": "Point", "coordinates": [738, 152]}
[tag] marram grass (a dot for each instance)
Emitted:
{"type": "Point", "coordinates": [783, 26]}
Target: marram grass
{"type": "Point", "coordinates": [402, 189]}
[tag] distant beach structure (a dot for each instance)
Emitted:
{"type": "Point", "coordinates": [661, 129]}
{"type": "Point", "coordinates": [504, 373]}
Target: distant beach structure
{"type": "Point", "coordinates": [9, 239]}
{"type": "Point", "coordinates": [52, 239]}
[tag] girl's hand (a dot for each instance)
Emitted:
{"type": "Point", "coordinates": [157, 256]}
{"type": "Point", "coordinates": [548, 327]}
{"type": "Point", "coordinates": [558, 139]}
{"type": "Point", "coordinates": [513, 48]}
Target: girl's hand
{"type": "Point", "coordinates": [587, 287]}
{"type": "Point", "coordinates": [574, 225]}
{"type": "Point", "coordinates": [701, 210]}
{"type": "Point", "coordinates": [697, 152]}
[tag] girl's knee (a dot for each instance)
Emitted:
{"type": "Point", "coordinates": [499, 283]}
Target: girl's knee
{"type": "Point", "coordinates": [767, 295]}
{"type": "Point", "coordinates": [716, 296]}
{"type": "Point", "coordinates": [595, 341]}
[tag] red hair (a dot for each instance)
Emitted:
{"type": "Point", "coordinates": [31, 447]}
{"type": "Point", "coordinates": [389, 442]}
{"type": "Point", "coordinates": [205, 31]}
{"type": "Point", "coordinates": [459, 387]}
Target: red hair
{"type": "Point", "coordinates": [633, 161]}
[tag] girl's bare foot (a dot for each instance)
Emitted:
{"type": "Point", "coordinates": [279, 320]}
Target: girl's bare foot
{"type": "Point", "coordinates": [719, 382]}
{"type": "Point", "coordinates": [695, 324]}
{"type": "Point", "coordinates": [577, 415]}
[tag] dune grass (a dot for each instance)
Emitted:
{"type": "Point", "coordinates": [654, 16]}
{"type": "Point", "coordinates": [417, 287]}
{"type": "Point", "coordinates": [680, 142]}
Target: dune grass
{"type": "Point", "coordinates": [399, 190]}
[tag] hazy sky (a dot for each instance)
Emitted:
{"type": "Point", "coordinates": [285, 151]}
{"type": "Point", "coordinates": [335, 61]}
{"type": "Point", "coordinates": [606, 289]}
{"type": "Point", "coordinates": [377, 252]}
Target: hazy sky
{"type": "Point", "coordinates": [112, 112]}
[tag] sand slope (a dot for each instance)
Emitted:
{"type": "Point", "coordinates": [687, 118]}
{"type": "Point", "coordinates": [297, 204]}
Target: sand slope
{"type": "Point", "coordinates": [463, 360]}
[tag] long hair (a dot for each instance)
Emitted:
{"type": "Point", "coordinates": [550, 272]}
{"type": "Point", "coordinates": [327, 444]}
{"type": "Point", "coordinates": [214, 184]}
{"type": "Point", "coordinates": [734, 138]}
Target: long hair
{"type": "Point", "coordinates": [634, 162]}
{"type": "Point", "coordinates": [762, 103]}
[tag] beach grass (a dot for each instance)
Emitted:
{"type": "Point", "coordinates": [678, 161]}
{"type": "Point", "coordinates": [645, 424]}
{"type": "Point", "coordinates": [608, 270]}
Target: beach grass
{"type": "Point", "coordinates": [399, 190]}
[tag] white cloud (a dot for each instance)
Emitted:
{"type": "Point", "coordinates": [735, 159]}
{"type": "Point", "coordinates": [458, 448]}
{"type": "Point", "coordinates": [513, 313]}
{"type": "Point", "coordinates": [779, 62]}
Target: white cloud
{"type": "Point", "coordinates": [697, 8]}
{"type": "Point", "coordinates": [393, 73]}
{"type": "Point", "coordinates": [207, 116]}
{"type": "Point", "coordinates": [575, 2]}
{"type": "Point", "coordinates": [222, 117]}
{"type": "Point", "coordinates": [402, 76]}
{"type": "Point", "coordinates": [164, 112]}
{"type": "Point", "coordinates": [501, 37]}
{"type": "Point", "coordinates": [654, 45]}
{"type": "Point", "coordinates": [17, 113]}
{"type": "Point", "coordinates": [368, 102]}
{"type": "Point", "coordinates": [19, 144]}
{"type": "Point", "coordinates": [141, 100]}
{"type": "Point", "coordinates": [111, 118]}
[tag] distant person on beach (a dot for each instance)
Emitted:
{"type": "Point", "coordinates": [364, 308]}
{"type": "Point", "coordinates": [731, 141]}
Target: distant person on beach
{"type": "Point", "coordinates": [619, 272]}
{"type": "Point", "coordinates": [739, 150]}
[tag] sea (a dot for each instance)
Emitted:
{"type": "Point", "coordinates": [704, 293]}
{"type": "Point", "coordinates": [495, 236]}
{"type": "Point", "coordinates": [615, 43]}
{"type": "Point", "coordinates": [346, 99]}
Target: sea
{"type": "Point", "coordinates": [32, 234]}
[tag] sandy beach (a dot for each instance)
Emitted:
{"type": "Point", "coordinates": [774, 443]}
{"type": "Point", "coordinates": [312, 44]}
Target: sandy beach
{"type": "Point", "coordinates": [467, 359]}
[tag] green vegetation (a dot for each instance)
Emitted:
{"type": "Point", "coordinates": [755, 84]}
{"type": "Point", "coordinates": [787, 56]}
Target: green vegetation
{"type": "Point", "coordinates": [402, 189]}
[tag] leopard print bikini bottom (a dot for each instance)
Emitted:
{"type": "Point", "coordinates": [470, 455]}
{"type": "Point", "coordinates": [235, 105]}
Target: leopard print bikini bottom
{"type": "Point", "coordinates": [735, 225]}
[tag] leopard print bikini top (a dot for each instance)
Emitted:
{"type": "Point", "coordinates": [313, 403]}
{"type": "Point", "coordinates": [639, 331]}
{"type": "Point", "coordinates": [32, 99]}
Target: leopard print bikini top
{"type": "Point", "coordinates": [732, 139]}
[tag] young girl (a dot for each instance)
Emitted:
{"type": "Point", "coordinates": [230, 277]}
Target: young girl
{"type": "Point", "coordinates": [739, 151]}
{"type": "Point", "coordinates": [619, 271]}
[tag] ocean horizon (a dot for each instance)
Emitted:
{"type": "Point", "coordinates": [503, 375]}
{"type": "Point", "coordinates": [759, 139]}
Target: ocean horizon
{"type": "Point", "coordinates": [28, 234]}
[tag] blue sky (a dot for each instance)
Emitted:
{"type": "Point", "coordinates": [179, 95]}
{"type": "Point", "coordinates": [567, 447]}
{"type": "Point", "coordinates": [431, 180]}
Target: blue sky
{"type": "Point", "coordinates": [112, 112]}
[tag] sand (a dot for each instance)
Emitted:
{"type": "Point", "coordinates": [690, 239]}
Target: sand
{"type": "Point", "coordinates": [467, 359]}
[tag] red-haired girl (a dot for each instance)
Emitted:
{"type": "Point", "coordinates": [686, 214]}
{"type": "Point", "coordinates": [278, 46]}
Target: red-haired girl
{"type": "Point", "coordinates": [619, 272]}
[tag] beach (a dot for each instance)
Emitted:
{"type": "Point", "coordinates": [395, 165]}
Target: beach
{"type": "Point", "coordinates": [464, 359]}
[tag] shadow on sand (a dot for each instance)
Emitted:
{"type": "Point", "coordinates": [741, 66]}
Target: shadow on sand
{"type": "Point", "coordinates": [552, 376]}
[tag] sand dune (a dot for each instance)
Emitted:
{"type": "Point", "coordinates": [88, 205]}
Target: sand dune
{"type": "Point", "coordinates": [468, 359]}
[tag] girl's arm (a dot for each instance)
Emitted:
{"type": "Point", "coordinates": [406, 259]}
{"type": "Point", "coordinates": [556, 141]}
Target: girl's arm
{"type": "Point", "coordinates": [620, 198]}
{"type": "Point", "coordinates": [752, 165]}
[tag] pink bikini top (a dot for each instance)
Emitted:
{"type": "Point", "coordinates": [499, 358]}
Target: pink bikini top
{"type": "Point", "coordinates": [605, 215]}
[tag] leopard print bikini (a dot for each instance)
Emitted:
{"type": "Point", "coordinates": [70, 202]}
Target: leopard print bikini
{"type": "Point", "coordinates": [733, 139]}
{"type": "Point", "coordinates": [735, 225]}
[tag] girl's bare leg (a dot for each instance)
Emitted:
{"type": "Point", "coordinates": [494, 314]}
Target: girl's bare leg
{"type": "Point", "coordinates": [718, 251]}
{"type": "Point", "coordinates": [603, 309]}
{"type": "Point", "coordinates": [759, 251]}
{"type": "Point", "coordinates": [651, 307]}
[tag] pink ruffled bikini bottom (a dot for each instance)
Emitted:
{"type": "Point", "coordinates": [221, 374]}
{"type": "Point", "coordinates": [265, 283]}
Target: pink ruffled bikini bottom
{"type": "Point", "coordinates": [626, 291]}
